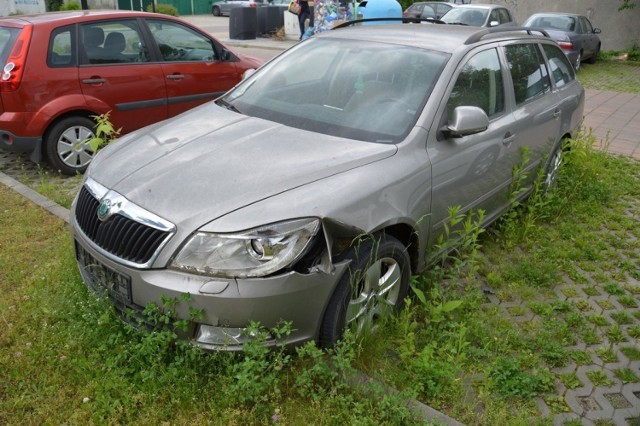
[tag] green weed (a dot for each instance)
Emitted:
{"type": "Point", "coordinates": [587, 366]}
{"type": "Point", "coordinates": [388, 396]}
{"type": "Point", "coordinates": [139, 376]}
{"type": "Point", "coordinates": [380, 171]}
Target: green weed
{"type": "Point", "coordinates": [626, 375]}
{"type": "Point", "coordinates": [599, 378]}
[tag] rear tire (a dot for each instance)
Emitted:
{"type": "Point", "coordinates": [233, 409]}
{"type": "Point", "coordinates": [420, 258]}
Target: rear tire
{"type": "Point", "coordinates": [553, 165]}
{"type": "Point", "coordinates": [67, 145]}
{"type": "Point", "coordinates": [375, 285]}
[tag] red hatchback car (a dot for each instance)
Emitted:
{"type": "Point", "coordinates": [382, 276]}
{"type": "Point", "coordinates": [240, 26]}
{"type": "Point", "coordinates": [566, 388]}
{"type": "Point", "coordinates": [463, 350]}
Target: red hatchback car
{"type": "Point", "coordinates": [60, 69]}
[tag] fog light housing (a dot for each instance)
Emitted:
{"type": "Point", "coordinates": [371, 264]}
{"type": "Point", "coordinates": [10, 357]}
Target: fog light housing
{"type": "Point", "coordinates": [220, 337]}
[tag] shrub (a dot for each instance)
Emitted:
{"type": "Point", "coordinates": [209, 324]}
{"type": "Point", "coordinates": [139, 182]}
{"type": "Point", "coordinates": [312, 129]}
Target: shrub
{"type": "Point", "coordinates": [53, 5]}
{"type": "Point", "coordinates": [72, 5]}
{"type": "Point", "coordinates": [165, 9]}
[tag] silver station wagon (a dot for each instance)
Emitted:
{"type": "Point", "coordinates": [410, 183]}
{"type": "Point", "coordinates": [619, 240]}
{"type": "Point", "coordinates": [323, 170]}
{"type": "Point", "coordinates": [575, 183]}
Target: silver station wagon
{"type": "Point", "coordinates": [314, 189]}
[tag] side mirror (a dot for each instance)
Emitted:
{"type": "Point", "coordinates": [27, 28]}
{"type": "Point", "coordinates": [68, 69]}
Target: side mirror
{"type": "Point", "coordinates": [225, 55]}
{"type": "Point", "coordinates": [248, 73]}
{"type": "Point", "coordinates": [465, 121]}
{"type": "Point", "coordinates": [494, 23]}
{"type": "Point", "coordinates": [597, 31]}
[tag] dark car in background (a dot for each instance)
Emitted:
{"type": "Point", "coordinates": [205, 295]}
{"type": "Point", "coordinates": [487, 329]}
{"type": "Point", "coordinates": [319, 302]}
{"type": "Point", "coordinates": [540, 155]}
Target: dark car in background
{"type": "Point", "coordinates": [223, 7]}
{"type": "Point", "coordinates": [61, 69]}
{"type": "Point", "coordinates": [479, 15]}
{"type": "Point", "coordinates": [574, 33]}
{"type": "Point", "coordinates": [425, 10]}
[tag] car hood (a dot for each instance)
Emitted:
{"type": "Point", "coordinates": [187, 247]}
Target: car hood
{"type": "Point", "coordinates": [209, 162]}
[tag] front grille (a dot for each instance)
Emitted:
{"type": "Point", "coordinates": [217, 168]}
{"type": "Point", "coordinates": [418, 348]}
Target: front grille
{"type": "Point", "coordinates": [119, 235]}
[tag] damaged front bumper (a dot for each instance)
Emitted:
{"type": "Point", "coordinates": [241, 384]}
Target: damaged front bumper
{"type": "Point", "coordinates": [227, 305]}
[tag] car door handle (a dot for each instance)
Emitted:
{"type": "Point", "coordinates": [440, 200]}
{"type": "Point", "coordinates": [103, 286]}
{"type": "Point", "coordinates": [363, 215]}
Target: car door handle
{"type": "Point", "coordinates": [556, 113]}
{"type": "Point", "coordinates": [175, 76]}
{"type": "Point", "coordinates": [508, 138]}
{"type": "Point", "coordinates": [94, 80]}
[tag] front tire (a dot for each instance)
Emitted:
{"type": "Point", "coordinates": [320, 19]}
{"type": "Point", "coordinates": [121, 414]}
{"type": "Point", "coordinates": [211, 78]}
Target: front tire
{"type": "Point", "coordinates": [374, 286]}
{"type": "Point", "coordinates": [594, 57]}
{"type": "Point", "coordinates": [215, 10]}
{"type": "Point", "coordinates": [67, 145]}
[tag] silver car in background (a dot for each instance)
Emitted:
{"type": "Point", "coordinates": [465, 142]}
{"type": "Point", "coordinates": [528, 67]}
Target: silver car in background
{"type": "Point", "coordinates": [223, 7]}
{"type": "Point", "coordinates": [574, 33]}
{"type": "Point", "coordinates": [479, 15]}
{"type": "Point", "coordinates": [313, 190]}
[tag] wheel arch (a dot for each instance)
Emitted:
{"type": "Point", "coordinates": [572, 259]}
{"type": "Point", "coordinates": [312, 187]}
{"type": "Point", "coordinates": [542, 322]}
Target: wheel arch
{"type": "Point", "coordinates": [73, 113]}
{"type": "Point", "coordinates": [342, 238]}
{"type": "Point", "coordinates": [409, 238]}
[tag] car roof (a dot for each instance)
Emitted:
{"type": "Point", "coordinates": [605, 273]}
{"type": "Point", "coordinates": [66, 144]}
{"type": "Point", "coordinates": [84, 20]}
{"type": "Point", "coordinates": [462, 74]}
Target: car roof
{"type": "Point", "coordinates": [76, 15]}
{"type": "Point", "coordinates": [480, 6]}
{"type": "Point", "coordinates": [437, 37]}
{"type": "Point", "coordinates": [574, 15]}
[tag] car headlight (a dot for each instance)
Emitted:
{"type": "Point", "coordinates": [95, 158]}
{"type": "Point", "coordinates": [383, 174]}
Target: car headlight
{"type": "Point", "coordinates": [253, 253]}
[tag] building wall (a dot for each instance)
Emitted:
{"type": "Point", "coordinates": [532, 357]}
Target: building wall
{"type": "Point", "coordinates": [101, 4]}
{"type": "Point", "coordinates": [21, 7]}
{"type": "Point", "coordinates": [620, 30]}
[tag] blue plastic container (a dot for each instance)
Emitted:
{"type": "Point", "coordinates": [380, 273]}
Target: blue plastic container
{"type": "Point", "coordinates": [381, 9]}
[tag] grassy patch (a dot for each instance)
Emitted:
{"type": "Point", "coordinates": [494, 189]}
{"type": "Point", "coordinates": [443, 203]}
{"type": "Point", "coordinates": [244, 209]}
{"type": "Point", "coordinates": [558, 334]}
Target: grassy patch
{"type": "Point", "coordinates": [611, 75]}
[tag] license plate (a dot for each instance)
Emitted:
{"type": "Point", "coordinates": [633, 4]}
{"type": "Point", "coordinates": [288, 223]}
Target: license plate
{"type": "Point", "coordinates": [101, 277]}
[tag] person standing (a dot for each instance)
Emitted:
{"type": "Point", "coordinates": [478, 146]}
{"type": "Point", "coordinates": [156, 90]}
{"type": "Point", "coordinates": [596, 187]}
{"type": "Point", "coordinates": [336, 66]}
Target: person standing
{"type": "Point", "coordinates": [303, 15]}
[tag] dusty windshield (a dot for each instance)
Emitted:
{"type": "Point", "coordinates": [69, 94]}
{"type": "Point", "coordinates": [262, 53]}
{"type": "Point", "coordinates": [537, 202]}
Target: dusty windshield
{"type": "Point", "coordinates": [342, 88]}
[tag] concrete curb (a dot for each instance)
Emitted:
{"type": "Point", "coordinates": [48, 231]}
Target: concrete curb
{"type": "Point", "coordinates": [35, 197]}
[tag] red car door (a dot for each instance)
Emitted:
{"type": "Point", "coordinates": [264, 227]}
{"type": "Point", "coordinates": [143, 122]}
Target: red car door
{"type": "Point", "coordinates": [191, 65]}
{"type": "Point", "coordinates": [116, 74]}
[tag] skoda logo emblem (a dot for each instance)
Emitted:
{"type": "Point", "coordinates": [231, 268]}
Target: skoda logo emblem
{"type": "Point", "coordinates": [104, 210]}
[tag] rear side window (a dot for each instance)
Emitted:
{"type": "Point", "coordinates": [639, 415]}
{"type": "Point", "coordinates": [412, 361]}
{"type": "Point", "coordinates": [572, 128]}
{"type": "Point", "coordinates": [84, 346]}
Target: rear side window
{"type": "Point", "coordinates": [586, 26]}
{"type": "Point", "coordinates": [61, 52]}
{"type": "Point", "coordinates": [113, 42]}
{"type": "Point", "coordinates": [561, 70]}
{"type": "Point", "coordinates": [7, 39]}
{"type": "Point", "coordinates": [528, 71]}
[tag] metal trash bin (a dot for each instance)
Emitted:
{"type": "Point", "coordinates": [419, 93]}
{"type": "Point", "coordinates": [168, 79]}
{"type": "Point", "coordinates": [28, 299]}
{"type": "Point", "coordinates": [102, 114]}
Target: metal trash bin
{"type": "Point", "coordinates": [243, 23]}
{"type": "Point", "coordinates": [270, 18]}
{"type": "Point", "coordinates": [275, 18]}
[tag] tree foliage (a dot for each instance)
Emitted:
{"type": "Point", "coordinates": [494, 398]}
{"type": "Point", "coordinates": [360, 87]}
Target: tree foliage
{"type": "Point", "coordinates": [627, 4]}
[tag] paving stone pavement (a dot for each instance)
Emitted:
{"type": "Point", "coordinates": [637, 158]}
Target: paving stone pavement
{"type": "Point", "coordinates": [605, 374]}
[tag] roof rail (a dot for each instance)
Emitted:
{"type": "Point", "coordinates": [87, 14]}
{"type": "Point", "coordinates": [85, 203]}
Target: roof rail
{"type": "Point", "coordinates": [476, 37]}
{"type": "Point", "coordinates": [412, 20]}
{"type": "Point", "coordinates": [473, 38]}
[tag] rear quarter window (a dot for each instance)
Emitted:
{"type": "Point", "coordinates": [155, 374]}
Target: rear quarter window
{"type": "Point", "coordinates": [61, 52]}
{"type": "Point", "coordinates": [7, 39]}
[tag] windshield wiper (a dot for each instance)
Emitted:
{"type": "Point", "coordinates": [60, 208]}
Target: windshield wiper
{"type": "Point", "coordinates": [458, 23]}
{"type": "Point", "coordinates": [223, 103]}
